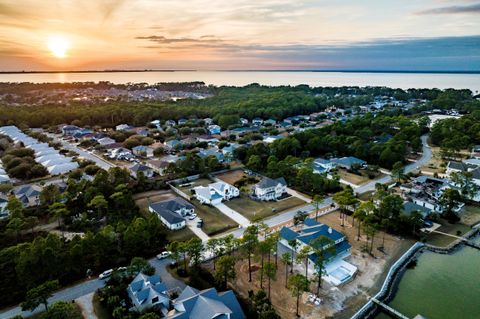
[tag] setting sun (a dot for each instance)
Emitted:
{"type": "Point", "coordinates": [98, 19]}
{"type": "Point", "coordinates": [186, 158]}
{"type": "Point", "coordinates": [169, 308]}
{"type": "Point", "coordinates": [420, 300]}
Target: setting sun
{"type": "Point", "coordinates": [58, 46]}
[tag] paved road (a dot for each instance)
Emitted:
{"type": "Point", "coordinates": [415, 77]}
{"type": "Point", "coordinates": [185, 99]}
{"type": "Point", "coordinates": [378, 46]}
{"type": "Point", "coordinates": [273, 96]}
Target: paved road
{"type": "Point", "coordinates": [426, 156]}
{"type": "Point", "coordinates": [81, 152]}
{"type": "Point", "coordinates": [92, 285]}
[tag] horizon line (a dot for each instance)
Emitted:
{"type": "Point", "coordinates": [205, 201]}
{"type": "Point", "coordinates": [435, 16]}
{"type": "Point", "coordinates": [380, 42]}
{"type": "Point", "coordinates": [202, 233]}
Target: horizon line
{"type": "Point", "coordinates": [246, 70]}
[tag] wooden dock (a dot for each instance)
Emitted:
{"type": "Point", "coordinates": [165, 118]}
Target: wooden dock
{"type": "Point", "coordinates": [466, 241]}
{"type": "Point", "coordinates": [390, 310]}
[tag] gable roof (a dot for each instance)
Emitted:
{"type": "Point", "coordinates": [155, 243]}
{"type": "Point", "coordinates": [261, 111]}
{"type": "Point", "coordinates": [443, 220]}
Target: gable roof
{"type": "Point", "coordinates": [207, 304]}
{"type": "Point", "coordinates": [139, 168]}
{"type": "Point", "coordinates": [167, 209]}
{"type": "Point", "coordinates": [409, 207]}
{"type": "Point", "coordinates": [268, 182]}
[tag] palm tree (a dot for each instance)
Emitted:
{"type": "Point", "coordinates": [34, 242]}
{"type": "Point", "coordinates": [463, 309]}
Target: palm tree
{"type": "Point", "coordinates": [250, 241]}
{"type": "Point", "coordinates": [270, 271]}
{"type": "Point", "coordinates": [174, 248]}
{"type": "Point", "coordinates": [286, 259]}
{"type": "Point", "coordinates": [361, 213]}
{"type": "Point", "coordinates": [294, 244]}
{"type": "Point", "coordinates": [303, 256]}
{"type": "Point", "coordinates": [213, 245]}
{"type": "Point", "coordinates": [58, 211]}
{"type": "Point", "coordinates": [297, 285]}
{"type": "Point", "coordinates": [322, 247]}
{"type": "Point", "coordinates": [317, 201]}
{"type": "Point", "coordinates": [264, 247]}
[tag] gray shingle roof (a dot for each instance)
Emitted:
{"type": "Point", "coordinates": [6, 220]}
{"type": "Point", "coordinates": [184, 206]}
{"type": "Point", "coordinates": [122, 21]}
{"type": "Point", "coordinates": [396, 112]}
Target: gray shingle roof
{"type": "Point", "coordinates": [268, 182]}
{"type": "Point", "coordinates": [167, 209]}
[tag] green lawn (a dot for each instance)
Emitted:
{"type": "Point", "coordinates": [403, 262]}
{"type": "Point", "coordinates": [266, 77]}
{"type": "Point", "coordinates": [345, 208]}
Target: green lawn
{"type": "Point", "coordinates": [443, 240]}
{"type": "Point", "coordinates": [470, 215]}
{"type": "Point", "coordinates": [214, 222]}
{"type": "Point", "coordinates": [257, 210]}
{"type": "Point", "coordinates": [179, 235]}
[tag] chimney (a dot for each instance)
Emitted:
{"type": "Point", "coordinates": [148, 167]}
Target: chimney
{"type": "Point", "coordinates": [329, 230]}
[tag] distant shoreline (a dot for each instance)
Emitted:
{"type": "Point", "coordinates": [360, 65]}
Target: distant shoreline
{"type": "Point", "coordinates": [272, 71]}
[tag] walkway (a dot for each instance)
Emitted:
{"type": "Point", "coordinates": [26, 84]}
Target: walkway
{"type": "Point", "coordinates": [227, 211]}
{"type": "Point", "coordinates": [86, 304]}
{"type": "Point", "coordinates": [298, 195]}
{"type": "Point", "coordinates": [390, 310]}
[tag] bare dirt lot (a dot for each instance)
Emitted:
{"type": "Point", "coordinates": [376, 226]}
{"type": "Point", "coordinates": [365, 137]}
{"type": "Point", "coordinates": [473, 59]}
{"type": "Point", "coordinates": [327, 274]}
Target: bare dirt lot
{"type": "Point", "coordinates": [232, 176]}
{"type": "Point", "coordinates": [257, 210]}
{"type": "Point", "coordinates": [357, 179]}
{"type": "Point", "coordinates": [370, 276]}
{"type": "Point", "coordinates": [142, 199]}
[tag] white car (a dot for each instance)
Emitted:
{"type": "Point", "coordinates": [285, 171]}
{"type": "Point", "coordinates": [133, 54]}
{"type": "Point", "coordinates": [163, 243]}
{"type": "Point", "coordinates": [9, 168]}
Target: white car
{"type": "Point", "coordinates": [192, 216]}
{"type": "Point", "coordinates": [164, 255]}
{"type": "Point", "coordinates": [122, 269]}
{"type": "Point", "coordinates": [106, 274]}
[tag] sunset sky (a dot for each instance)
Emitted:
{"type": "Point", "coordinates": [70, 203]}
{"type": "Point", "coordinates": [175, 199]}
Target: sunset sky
{"type": "Point", "coordinates": [239, 34]}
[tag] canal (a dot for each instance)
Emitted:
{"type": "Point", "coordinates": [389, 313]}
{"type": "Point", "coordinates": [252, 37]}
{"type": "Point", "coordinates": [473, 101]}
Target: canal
{"type": "Point", "coordinates": [441, 286]}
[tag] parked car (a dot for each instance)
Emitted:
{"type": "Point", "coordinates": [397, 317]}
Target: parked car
{"type": "Point", "coordinates": [106, 274]}
{"type": "Point", "coordinates": [163, 255]}
{"type": "Point", "coordinates": [122, 269]}
{"type": "Point", "coordinates": [427, 223]}
{"type": "Point", "coordinates": [192, 216]}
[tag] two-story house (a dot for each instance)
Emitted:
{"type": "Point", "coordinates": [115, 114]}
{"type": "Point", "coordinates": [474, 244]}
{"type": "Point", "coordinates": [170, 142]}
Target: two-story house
{"type": "Point", "coordinates": [270, 189]}
{"type": "Point", "coordinates": [334, 250]}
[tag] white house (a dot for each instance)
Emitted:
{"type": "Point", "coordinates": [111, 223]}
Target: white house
{"type": "Point", "coordinates": [136, 168]}
{"type": "Point", "coordinates": [62, 168]}
{"type": "Point", "coordinates": [257, 121]}
{"type": "Point", "coordinates": [172, 212]}
{"type": "Point", "coordinates": [225, 190]}
{"type": "Point", "coordinates": [4, 213]}
{"type": "Point", "coordinates": [215, 193]}
{"type": "Point", "coordinates": [206, 195]}
{"type": "Point", "coordinates": [143, 151]}
{"type": "Point", "coordinates": [69, 130]}
{"type": "Point", "coordinates": [270, 189]}
{"type": "Point", "coordinates": [4, 179]}
{"type": "Point", "coordinates": [123, 127]}
{"type": "Point", "coordinates": [146, 292]}
{"type": "Point", "coordinates": [106, 141]}
{"type": "Point", "coordinates": [321, 165]}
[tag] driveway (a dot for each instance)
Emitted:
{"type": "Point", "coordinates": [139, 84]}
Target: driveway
{"type": "Point", "coordinates": [192, 225]}
{"type": "Point", "coordinates": [298, 195]}
{"type": "Point", "coordinates": [227, 211]}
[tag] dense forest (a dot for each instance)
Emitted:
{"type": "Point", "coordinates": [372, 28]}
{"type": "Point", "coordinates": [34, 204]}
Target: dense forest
{"type": "Point", "coordinates": [381, 140]}
{"type": "Point", "coordinates": [457, 134]}
{"type": "Point", "coordinates": [249, 102]}
{"type": "Point", "coordinates": [103, 208]}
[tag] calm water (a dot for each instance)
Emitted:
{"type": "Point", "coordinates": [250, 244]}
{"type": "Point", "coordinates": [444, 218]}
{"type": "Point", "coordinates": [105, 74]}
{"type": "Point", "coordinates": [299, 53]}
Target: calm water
{"type": "Point", "coordinates": [441, 286]}
{"type": "Point", "coordinates": [394, 80]}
